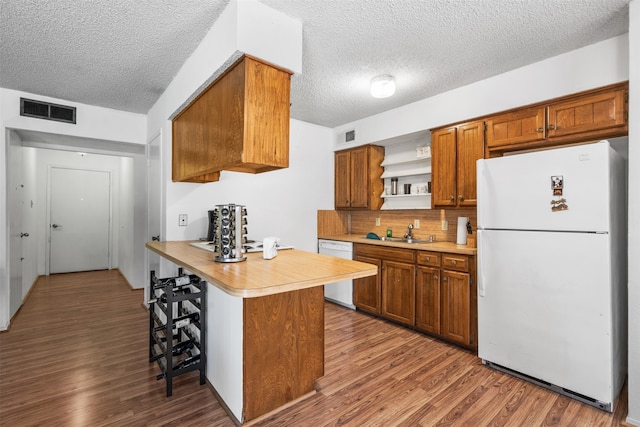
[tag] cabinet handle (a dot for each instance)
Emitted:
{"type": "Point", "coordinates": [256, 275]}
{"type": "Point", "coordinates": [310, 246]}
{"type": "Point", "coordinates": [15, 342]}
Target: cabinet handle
{"type": "Point", "coordinates": [460, 197]}
{"type": "Point", "coordinates": [453, 262]}
{"type": "Point", "coordinates": [426, 259]}
{"type": "Point", "coordinates": [540, 130]}
{"type": "Point", "coordinates": [452, 199]}
{"type": "Point", "coordinates": [445, 279]}
{"type": "Point", "coordinates": [551, 127]}
{"type": "Point", "coordinates": [435, 277]}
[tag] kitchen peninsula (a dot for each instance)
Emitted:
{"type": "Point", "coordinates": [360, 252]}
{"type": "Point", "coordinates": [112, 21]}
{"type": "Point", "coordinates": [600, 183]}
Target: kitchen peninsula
{"type": "Point", "coordinates": [265, 341]}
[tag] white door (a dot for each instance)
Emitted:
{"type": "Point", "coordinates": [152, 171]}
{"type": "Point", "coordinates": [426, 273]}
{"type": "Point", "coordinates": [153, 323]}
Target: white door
{"type": "Point", "coordinates": [79, 224]}
{"type": "Point", "coordinates": [154, 194]}
{"type": "Point", "coordinates": [15, 204]}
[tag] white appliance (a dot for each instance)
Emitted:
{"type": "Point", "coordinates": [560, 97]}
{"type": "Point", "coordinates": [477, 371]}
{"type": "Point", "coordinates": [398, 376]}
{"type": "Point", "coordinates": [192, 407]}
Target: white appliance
{"type": "Point", "coordinates": [552, 269]}
{"type": "Point", "coordinates": [338, 292]}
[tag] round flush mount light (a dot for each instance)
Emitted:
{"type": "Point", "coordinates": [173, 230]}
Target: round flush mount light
{"type": "Point", "coordinates": [383, 86]}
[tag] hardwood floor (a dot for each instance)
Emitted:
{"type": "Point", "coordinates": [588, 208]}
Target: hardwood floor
{"type": "Point", "coordinates": [76, 355]}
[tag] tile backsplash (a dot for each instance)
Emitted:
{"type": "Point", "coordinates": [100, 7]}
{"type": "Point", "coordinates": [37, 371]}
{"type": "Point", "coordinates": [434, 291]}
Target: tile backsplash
{"type": "Point", "coordinates": [363, 222]}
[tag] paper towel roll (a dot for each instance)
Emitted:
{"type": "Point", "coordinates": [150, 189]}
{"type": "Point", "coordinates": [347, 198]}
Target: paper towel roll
{"type": "Point", "coordinates": [462, 230]}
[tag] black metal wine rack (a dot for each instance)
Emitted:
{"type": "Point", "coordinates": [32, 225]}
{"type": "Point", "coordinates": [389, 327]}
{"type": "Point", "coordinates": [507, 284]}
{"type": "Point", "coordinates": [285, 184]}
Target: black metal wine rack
{"type": "Point", "coordinates": [177, 343]}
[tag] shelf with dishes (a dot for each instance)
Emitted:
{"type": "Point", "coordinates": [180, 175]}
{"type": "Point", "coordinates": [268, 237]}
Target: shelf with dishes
{"type": "Point", "coordinates": [407, 176]}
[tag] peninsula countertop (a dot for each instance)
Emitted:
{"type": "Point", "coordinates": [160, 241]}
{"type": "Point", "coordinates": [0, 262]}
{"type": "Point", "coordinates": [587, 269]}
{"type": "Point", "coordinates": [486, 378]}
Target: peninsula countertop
{"type": "Point", "coordinates": [291, 270]}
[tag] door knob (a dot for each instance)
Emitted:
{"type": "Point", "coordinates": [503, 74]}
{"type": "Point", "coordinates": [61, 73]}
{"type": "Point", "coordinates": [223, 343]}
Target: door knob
{"type": "Point", "coordinates": [24, 234]}
{"type": "Point", "coordinates": [55, 226]}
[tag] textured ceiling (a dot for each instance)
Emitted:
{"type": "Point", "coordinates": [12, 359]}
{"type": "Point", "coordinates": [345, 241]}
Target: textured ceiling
{"type": "Point", "coordinates": [123, 53]}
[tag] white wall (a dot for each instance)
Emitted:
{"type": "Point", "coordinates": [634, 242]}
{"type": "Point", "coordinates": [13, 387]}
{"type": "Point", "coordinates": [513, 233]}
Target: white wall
{"type": "Point", "coordinates": [633, 415]}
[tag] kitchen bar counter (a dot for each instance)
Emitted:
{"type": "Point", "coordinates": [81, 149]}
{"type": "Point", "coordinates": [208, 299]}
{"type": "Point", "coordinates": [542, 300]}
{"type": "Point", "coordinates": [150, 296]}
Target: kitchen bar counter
{"type": "Point", "coordinates": [291, 270]}
{"type": "Point", "coordinates": [265, 323]}
{"type": "Point", "coordinates": [448, 247]}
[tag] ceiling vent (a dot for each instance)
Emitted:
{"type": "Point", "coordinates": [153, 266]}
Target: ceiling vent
{"type": "Point", "coordinates": [350, 136]}
{"type": "Point", "coordinates": [48, 111]}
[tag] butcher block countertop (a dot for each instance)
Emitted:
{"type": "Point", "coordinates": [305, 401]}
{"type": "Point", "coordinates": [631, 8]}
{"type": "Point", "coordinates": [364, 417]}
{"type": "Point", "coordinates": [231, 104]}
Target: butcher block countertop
{"type": "Point", "coordinates": [448, 247]}
{"type": "Point", "coordinates": [291, 270]}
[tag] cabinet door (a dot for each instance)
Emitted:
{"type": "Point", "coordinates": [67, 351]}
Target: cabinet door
{"type": "Point", "coordinates": [342, 191]}
{"type": "Point", "coordinates": [359, 165]}
{"type": "Point", "coordinates": [398, 291]}
{"type": "Point", "coordinates": [428, 299]}
{"type": "Point", "coordinates": [470, 147]}
{"type": "Point", "coordinates": [516, 127]}
{"type": "Point", "coordinates": [456, 306]}
{"type": "Point", "coordinates": [588, 115]}
{"type": "Point", "coordinates": [443, 167]}
{"type": "Point", "coordinates": [366, 291]}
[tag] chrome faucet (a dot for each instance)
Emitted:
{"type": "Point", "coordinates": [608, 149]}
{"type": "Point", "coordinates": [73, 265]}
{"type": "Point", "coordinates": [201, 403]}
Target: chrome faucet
{"type": "Point", "coordinates": [409, 234]}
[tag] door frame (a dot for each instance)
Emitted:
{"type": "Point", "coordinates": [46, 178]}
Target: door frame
{"type": "Point", "coordinates": [147, 255]}
{"type": "Point", "coordinates": [47, 261]}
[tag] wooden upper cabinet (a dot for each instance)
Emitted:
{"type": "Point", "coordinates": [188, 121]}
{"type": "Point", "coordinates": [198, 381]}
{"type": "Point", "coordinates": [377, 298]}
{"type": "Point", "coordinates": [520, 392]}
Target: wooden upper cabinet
{"type": "Point", "coordinates": [588, 115]}
{"type": "Point", "coordinates": [443, 167]}
{"type": "Point", "coordinates": [516, 127]}
{"type": "Point", "coordinates": [359, 166]}
{"type": "Point", "coordinates": [342, 192]}
{"type": "Point", "coordinates": [582, 117]}
{"type": "Point", "coordinates": [470, 148]}
{"type": "Point", "coordinates": [358, 178]}
{"type": "Point", "coordinates": [454, 153]}
{"type": "Point", "coordinates": [239, 123]}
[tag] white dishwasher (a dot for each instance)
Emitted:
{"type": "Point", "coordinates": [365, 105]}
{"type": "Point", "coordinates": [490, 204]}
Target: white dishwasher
{"type": "Point", "coordinates": [338, 292]}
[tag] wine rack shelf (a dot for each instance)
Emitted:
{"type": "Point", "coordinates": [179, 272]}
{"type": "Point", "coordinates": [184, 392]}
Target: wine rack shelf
{"type": "Point", "coordinates": [177, 326]}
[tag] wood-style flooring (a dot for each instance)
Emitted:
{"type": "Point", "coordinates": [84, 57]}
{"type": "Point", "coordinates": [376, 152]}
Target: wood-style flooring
{"type": "Point", "coordinates": [76, 355]}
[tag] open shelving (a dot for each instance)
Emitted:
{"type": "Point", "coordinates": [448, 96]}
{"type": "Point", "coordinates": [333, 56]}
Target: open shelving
{"type": "Point", "coordinates": [403, 161]}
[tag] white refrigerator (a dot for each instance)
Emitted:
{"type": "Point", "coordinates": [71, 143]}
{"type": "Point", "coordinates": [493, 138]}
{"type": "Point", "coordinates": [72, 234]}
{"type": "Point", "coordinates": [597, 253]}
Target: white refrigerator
{"type": "Point", "coordinates": [552, 269]}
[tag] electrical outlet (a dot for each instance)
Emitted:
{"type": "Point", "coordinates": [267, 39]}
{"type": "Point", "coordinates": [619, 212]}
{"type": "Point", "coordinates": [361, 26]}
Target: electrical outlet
{"type": "Point", "coordinates": [378, 221]}
{"type": "Point", "coordinates": [416, 223]}
{"type": "Point", "coordinates": [445, 225]}
{"type": "Point", "coordinates": [182, 220]}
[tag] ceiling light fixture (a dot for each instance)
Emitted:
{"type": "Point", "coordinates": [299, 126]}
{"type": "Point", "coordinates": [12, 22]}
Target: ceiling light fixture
{"type": "Point", "coordinates": [383, 86]}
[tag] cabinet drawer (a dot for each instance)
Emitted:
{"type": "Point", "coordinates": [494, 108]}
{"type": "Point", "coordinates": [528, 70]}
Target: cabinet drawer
{"type": "Point", "coordinates": [455, 262]}
{"type": "Point", "coordinates": [386, 253]}
{"type": "Point", "coordinates": [431, 259]}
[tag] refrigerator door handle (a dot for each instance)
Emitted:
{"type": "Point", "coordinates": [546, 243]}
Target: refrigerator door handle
{"type": "Point", "coordinates": [481, 281]}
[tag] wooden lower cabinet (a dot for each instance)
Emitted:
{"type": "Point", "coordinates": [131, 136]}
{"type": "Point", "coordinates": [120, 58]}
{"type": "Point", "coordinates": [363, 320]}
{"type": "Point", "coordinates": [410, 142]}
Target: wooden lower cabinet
{"type": "Point", "coordinates": [456, 307]}
{"type": "Point", "coordinates": [445, 297]}
{"type": "Point", "coordinates": [433, 292]}
{"type": "Point", "coordinates": [366, 291]}
{"type": "Point", "coordinates": [398, 291]}
{"type": "Point", "coordinates": [428, 299]}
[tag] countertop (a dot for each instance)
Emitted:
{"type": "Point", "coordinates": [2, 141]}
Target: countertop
{"type": "Point", "coordinates": [433, 247]}
{"type": "Point", "coordinates": [291, 270]}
